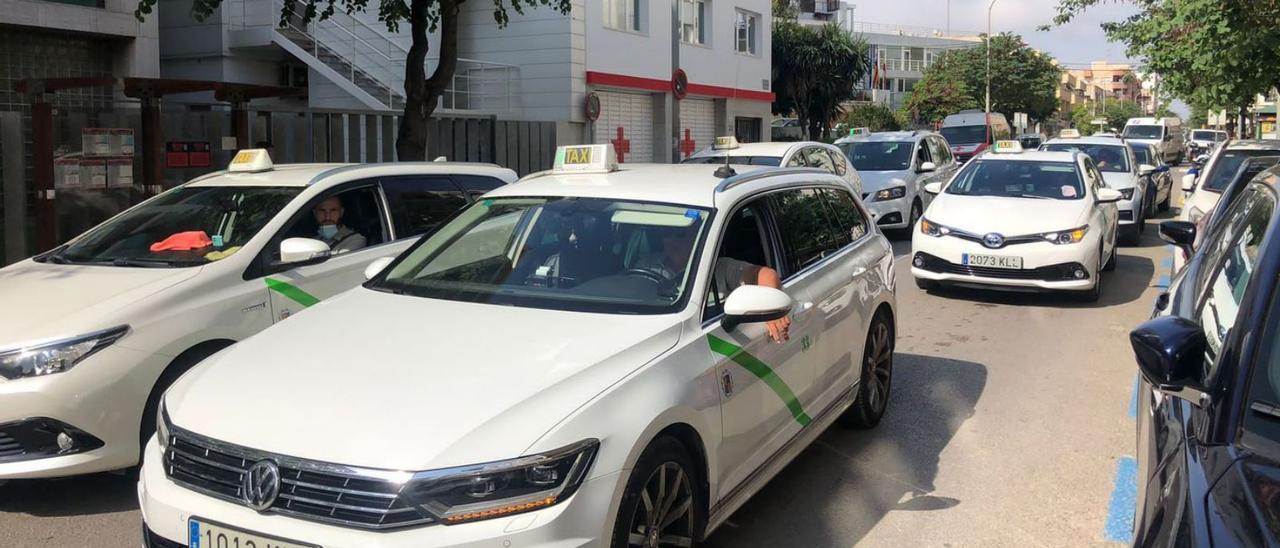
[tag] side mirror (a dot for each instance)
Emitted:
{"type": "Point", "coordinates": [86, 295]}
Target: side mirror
{"type": "Point", "coordinates": [1146, 169]}
{"type": "Point", "coordinates": [1201, 159]}
{"type": "Point", "coordinates": [299, 251]}
{"type": "Point", "coordinates": [376, 266]}
{"type": "Point", "coordinates": [1179, 233]}
{"type": "Point", "coordinates": [933, 188]}
{"type": "Point", "coordinates": [927, 167]}
{"type": "Point", "coordinates": [1189, 181]}
{"type": "Point", "coordinates": [754, 304]}
{"type": "Point", "coordinates": [1170, 353]}
{"type": "Point", "coordinates": [1163, 168]}
{"type": "Point", "coordinates": [1109, 195]}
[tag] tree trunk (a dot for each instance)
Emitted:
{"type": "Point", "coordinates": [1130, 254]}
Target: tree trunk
{"type": "Point", "coordinates": [423, 93]}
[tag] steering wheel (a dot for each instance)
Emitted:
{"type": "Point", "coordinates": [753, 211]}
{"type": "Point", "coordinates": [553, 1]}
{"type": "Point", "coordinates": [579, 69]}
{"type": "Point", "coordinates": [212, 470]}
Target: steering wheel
{"type": "Point", "coordinates": [646, 274]}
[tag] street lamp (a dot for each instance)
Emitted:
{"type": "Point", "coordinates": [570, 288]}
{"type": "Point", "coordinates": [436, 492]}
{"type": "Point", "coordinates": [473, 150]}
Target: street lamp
{"type": "Point", "coordinates": [989, 8]}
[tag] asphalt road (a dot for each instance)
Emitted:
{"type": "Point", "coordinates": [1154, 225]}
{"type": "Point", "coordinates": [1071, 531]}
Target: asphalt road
{"type": "Point", "coordinates": [1009, 414]}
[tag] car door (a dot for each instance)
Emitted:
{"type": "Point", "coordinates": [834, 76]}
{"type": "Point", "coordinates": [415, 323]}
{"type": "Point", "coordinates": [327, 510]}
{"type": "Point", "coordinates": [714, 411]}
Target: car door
{"type": "Point", "coordinates": [1107, 214]}
{"type": "Point", "coordinates": [761, 380]}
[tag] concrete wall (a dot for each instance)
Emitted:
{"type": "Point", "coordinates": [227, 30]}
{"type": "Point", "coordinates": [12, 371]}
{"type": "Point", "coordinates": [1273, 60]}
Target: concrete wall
{"type": "Point", "coordinates": [135, 53]}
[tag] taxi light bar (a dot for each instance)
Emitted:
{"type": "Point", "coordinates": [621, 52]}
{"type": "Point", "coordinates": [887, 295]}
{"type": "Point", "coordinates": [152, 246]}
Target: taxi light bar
{"type": "Point", "coordinates": [859, 131]}
{"type": "Point", "coordinates": [727, 142]}
{"type": "Point", "coordinates": [1069, 134]}
{"type": "Point", "coordinates": [251, 160]}
{"type": "Point", "coordinates": [1007, 147]}
{"type": "Point", "coordinates": [585, 159]}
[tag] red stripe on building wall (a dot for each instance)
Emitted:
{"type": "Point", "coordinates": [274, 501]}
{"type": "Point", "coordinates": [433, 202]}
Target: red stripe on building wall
{"type": "Point", "coordinates": [654, 84]}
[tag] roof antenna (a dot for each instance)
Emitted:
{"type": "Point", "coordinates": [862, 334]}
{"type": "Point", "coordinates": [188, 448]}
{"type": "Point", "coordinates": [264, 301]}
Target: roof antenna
{"type": "Point", "coordinates": [726, 144]}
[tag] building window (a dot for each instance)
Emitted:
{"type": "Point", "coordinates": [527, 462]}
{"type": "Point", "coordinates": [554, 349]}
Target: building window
{"type": "Point", "coordinates": [624, 14]}
{"type": "Point", "coordinates": [693, 21]}
{"type": "Point", "coordinates": [747, 33]}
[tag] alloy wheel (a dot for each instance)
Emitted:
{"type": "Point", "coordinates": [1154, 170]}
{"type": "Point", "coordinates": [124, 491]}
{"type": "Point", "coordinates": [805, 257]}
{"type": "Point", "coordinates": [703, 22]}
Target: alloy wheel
{"type": "Point", "coordinates": [664, 515]}
{"type": "Point", "coordinates": [880, 366]}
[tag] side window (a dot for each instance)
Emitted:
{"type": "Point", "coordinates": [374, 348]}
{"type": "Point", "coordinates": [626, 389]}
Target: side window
{"type": "Point", "coordinates": [847, 215]}
{"type": "Point", "coordinates": [420, 203]}
{"type": "Point", "coordinates": [941, 155]}
{"type": "Point", "coordinates": [745, 240]}
{"type": "Point", "coordinates": [348, 220]}
{"type": "Point", "coordinates": [1238, 255]}
{"type": "Point", "coordinates": [819, 158]}
{"type": "Point", "coordinates": [1261, 427]}
{"type": "Point", "coordinates": [840, 160]}
{"type": "Point", "coordinates": [477, 185]}
{"type": "Point", "coordinates": [923, 153]}
{"type": "Point", "coordinates": [798, 160]}
{"type": "Point", "coordinates": [807, 231]}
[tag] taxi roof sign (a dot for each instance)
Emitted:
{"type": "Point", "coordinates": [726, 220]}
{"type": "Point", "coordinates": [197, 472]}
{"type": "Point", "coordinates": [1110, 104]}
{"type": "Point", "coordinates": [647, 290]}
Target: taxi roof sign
{"type": "Point", "coordinates": [251, 160]}
{"type": "Point", "coordinates": [859, 131]}
{"type": "Point", "coordinates": [1069, 134]}
{"type": "Point", "coordinates": [585, 159]}
{"type": "Point", "coordinates": [726, 142]}
{"type": "Point", "coordinates": [1007, 147]}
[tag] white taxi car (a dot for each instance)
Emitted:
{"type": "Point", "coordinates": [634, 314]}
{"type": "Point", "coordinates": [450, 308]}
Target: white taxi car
{"type": "Point", "coordinates": [1015, 219]}
{"type": "Point", "coordinates": [96, 329]}
{"type": "Point", "coordinates": [783, 154]}
{"type": "Point", "coordinates": [1122, 172]}
{"type": "Point", "coordinates": [592, 356]}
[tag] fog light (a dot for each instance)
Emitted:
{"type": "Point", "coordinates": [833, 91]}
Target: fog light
{"type": "Point", "coordinates": [1079, 273]}
{"type": "Point", "coordinates": [65, 443]}
{"type": "Point", "coordinates": [918, 261]}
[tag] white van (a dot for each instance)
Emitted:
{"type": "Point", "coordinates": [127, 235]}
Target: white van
{"type": "Point", "coordinates": [1164, 134]}
{"type": "Point", "coordinates": [968, 134]}
{"type": "Point", "coordinates": [96, 329]}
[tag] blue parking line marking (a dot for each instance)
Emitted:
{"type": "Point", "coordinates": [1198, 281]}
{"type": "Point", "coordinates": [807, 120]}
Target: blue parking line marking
{"type": "Point", "coordinates": [1163, 282]}
{"type": "Point", "coordinates": [1133, 400]}
{"type": "Point", "coordinates": [1167, 263]}
{"type": "Point", "coordinates": [1124, 498]}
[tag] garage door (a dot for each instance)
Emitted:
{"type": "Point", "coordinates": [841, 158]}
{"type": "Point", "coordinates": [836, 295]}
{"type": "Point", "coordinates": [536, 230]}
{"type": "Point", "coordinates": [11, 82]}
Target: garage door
{"type": "Point", "coordinates": [626, 120]}
{"type": "Point", "coordinates": [698, 125]}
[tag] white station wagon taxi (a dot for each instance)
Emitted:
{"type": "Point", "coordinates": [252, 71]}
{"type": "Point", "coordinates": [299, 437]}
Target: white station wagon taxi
{"type": "Point", "coordinates": [1019, 220]}
{"type": "Point", "coordinates": [592, 356]}
{"type": "Point", "coordinates": [96, 329]}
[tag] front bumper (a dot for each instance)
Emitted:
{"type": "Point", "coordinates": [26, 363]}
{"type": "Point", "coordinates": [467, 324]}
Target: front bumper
{"type": "Point", "coordinates": [585, 519]}
{"type": "Point", "coordinates": [1044, 265]}
{"type": "Point", "coordinates": [1128, 209]}
{"type": "Point", "coordinates": [99, 402]}
{"type": "Point", "coordinates": [891, 214]}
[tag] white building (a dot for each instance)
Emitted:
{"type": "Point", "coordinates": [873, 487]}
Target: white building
{"type": "Point", "coordinates": [541, 67]}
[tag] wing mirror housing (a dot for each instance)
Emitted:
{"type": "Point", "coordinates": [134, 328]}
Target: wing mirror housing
{"type": "Point", "coordinates": [303, 251]}
{"type": "Point", "coordinates": [1189, 182]}
{"type": "Point", "coordinates": [927, 167]}
{"type": "Point", "coordinates": [755, 304]}
{"type": "Point", "coordinates": [376, 267]}
{"type": "Point", "coordinates": [933, 188]}
{"type": "Point", "coordinates": [1109, 195]}
{"type": "Point", "coordinates": [1179, 233]}
{"type": "Point", "coordinates": [1146, 169]}
{"type": "Point", "coordinates": [1170, 353]}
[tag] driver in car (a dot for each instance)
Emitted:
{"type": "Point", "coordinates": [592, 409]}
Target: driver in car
{"type": "Point", "coordinates": [730, 273]}
{"type": "Point", "coordinates": [1108, 158]}
{"type": "Point", "coordinates": [341, 239]}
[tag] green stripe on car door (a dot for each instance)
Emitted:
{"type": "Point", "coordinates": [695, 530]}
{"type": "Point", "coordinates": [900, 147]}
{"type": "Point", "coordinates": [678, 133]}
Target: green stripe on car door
{"type": "Point", "coordinates": [763, 372]}
{"type": "Point", "coordinates": [291, 291]}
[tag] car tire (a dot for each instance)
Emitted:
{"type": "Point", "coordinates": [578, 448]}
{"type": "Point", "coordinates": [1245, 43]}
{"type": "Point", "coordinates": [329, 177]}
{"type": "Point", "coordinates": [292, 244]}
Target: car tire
{"type": "Point", "coordinates": [926, 285]}
{"type": "Point", "coordinates": [1092, 295]}
{"type": "Point", "coordinates": [1168, 200]}
{"type": "Point", "coordinates": [665, 464]}
{"type": "Point", "coordinates": [875, 379]}
{"type": "Point", "coordinates": [1111, 262]}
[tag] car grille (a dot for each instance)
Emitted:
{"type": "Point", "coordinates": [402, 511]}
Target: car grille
{"type": "Point", "coordinates": [9, 447]}
{"type": "Point", "coordinates": [309, 490]}
{"type": "Point", "coordinates": [1051, 273]}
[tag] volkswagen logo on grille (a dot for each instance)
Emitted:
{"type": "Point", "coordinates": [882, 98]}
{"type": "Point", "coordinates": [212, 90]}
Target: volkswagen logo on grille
{"type": "Point", "coordinates": [261, 485]}
{"type": "Point", "coordinates": [993, 240]}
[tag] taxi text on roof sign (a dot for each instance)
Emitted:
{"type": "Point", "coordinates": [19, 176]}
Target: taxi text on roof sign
{"type": "Point", "coordinates": [727, 142]}
{"type": "Point", "coordinates": [586, 159]}
{"type": "Point", "coordinates": [251, 160]}
{"type": "Point", "coordinates": [1070, 134]}
{"type": "Point", "coordinates": [1008, 147]}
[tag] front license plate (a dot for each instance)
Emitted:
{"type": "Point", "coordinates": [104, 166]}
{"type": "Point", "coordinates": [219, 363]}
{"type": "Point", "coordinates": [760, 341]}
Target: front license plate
{"type": "Point", "coordinates": [203, 534]}
{"type": "Point", "coordinates": [993, 261]}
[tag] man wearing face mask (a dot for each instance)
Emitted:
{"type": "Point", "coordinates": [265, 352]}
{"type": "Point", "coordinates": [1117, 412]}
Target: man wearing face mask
{"type": "Point", "coordinates": [341, 239]}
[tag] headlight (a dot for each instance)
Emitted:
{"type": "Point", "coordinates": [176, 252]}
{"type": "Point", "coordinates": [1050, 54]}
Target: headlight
{"type": "Point", "coordinates": [162, 427]}
{"type": "Point", "coordinates": [1127, 193]}
{"type": "Point", "coordinates": [57, 356]}
{"type": "Point", "coordinates": [930, 228]}
{"type": "Point", "coordinates": [891, 193]}
{"type": "Point", "coordinates": [1065, 237]}
{"type": "Point", "coordinates": [503, 488]}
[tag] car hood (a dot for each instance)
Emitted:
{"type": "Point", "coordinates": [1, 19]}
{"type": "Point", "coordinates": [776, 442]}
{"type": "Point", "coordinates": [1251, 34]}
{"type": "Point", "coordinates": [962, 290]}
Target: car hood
{"type": "Point", "coordinates": [405, 383]}
{"type": "Point", "coordinates": [873, 181]}
{"type": "Point", "coordinates": [45, 301]}
{"type": "Point", "coordinates": [1155, 142]}
{"type": "Point", "coordinates": [1119, 180]}
{"type": "Point", "coordinates": [1008, 216]}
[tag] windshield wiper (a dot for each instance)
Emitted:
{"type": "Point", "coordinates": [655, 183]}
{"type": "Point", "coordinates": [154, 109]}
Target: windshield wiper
{"type": "Point", "coordinates": [1034, 196]}
{"type": "Point", "coordinates": [147, 263]}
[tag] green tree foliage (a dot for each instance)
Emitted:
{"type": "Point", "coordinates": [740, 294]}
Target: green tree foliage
{"type": "Point", "coordinates": [1114, 111]}
{"type": "Point", "coordinates": [422, 92]}
{"type": "Point", "coordinates": [875, 117]}
{"type": "Point", "coordinates": [1209, 52]}
{"type": "Point", "coordinates": [1022, 80]}
{"type": "Point", "coordinates": [785, 9]}
{"type": "Point", "coordinates": [815, 69]}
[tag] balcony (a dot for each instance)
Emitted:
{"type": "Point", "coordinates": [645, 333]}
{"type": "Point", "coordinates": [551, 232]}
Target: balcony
{"type": "Point", "coordinates": [905, 65]}
{"type": "Point", "coordinates": [821, 7]}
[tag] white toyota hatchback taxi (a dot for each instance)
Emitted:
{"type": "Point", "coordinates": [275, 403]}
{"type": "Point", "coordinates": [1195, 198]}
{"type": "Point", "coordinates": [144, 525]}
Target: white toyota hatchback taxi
{"type": "Point", "coordinates": [592, 356]}
{"type": "Point", "coordinates": [1019, 220]}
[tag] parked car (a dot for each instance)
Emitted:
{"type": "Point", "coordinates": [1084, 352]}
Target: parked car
{"type": "Point", "coordinates": [1208, 431]}
{"type": "Point", "coordinates": [785, 154]}
{"type": "Point", "coordinates": [894, 167]}
{"type": "Point", "coordinates": [1031, 141]}
{"type": "Point", "coordinates": [608, 371]}
{"type": "Point", "coordinates": [1163, 134]}
{"type": "Point", "coordinates": [1202, 141]}
{"type": "Point", "coordinates": [786, 129]}
{"type": "Point", "coordinates": [971, 132]}
{"type": "Point", "coordinates": [1160, 181]}
{"type": "Point", "coordinates": [1206, 184]}
{"type": "Point", "coordinates": [96, 329]}
{"type": "Point", "coordinates": [1120, 171]}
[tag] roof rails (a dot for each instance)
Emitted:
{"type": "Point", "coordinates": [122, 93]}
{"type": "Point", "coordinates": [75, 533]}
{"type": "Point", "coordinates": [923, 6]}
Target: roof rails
{"type": "Point", "coordinates": [761, 174]}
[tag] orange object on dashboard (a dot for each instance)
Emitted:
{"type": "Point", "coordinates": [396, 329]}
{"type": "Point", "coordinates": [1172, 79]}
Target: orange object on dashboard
{"type": "Point", "coordinates": [183, 241]}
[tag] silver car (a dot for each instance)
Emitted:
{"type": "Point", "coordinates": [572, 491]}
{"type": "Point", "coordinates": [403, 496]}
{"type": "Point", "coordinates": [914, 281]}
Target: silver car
{"type": "Point", "coordinates": [895, 166]}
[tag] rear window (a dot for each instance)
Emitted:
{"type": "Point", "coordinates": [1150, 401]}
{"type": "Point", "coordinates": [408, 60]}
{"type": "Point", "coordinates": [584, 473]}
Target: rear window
{"type": "Point", "coordinates": [1205, 136]}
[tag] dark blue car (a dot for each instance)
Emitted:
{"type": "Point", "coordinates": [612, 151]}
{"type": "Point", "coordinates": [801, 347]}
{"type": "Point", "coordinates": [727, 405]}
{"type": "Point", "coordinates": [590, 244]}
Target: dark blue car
{"type": "Point", "coordinates": [1209, 403]}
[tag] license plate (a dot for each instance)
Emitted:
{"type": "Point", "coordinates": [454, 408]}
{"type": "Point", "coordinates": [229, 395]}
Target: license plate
{"type": "Point", "coordinates": [993, 261]}
{"type": "Point", "coordinates": [203, 534]}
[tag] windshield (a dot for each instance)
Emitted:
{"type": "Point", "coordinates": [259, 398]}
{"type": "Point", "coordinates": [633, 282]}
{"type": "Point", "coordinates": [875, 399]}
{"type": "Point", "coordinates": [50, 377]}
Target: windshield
{"type": "Point", "coordinates": [878, 156]}
{"type": "Point", "coordinates": [1108, 157]}
{"type": "Point", "coordinates": [1144, 132]}
{"type": "Point", "coordinates": [580, 254]}
{"type": "Point", "coordinates": [1019, 179]}
{"type": "Point", "coordinates": [965, 135]}
{"type": "Point", "coordinates": [1207, 136]}
{"type": "Point", "coordinates": [187, 226]}
{"type": "Point", "coordinates": [771, 161]}
{"type": "Point", "coordinates": [1228, 164]}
